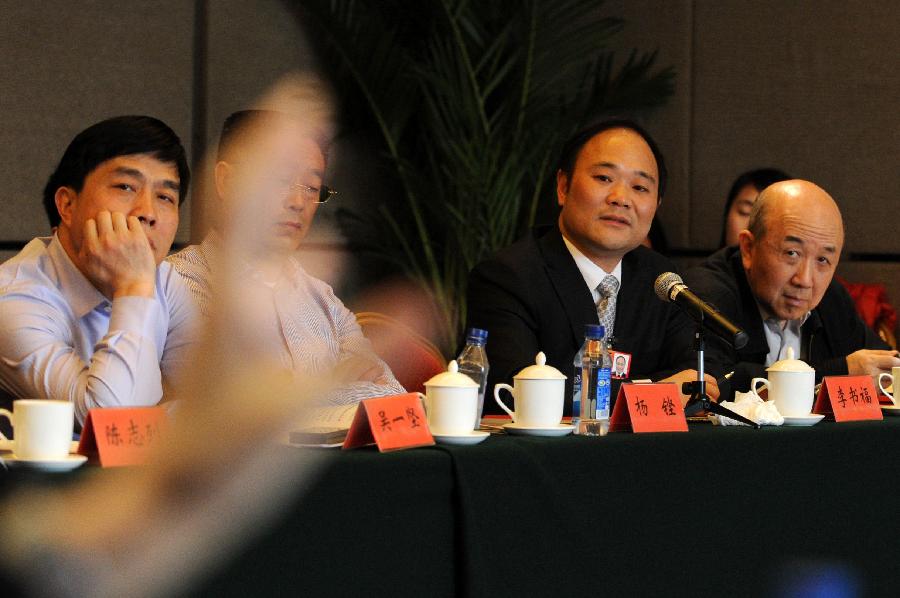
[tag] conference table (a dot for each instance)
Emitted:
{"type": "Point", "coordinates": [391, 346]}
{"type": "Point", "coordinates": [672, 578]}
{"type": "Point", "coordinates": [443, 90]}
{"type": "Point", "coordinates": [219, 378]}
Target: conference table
{"type": "Point", "coordinates": [714, 511]}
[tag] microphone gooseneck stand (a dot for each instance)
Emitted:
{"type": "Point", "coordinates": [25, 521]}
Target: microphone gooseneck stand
{"type": "Point", "coordinates": [697, 389]}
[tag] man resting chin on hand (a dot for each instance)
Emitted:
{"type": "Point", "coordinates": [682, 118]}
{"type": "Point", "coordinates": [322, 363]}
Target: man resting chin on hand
{"type": "Point", "coordinates": [91, 315]}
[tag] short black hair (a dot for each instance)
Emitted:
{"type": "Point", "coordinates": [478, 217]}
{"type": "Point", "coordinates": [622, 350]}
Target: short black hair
{"type": "Point", "coordinates": [236, 125]}
{"type": "Point", "coordinates": [111, 138]}
{"type": "Point", "coordinates": [572, 148]}
{"type": "Point", "coordinates": [243, 122]}
{"type": "Point", "coordinates": [759, 179]}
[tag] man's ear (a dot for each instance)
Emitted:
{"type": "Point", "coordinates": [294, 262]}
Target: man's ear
{"type": "Point", "coordinates": [562, 187]}
{"type": "Point", "coordinates": [65, 199]}
{"type": "Point", "coordinates": [224, 177]}
{"type": "Point", "coordinates": [746, 241]}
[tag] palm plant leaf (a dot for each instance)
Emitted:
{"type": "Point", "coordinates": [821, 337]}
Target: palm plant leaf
{"type": "Point", "coordinates": [471, 101]}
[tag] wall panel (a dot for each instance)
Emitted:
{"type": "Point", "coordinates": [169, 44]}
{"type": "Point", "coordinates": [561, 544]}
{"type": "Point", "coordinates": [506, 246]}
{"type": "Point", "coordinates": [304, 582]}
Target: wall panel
{"type": "Point", "coordinates": [65, 65]}
{"type": "Point", "coordinates": [666, 27]}
{"type": "Point", "coordinates": [807, 86]}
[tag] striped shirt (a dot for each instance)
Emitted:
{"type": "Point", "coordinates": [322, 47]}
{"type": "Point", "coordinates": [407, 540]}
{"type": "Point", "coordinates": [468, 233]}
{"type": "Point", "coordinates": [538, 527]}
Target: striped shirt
{"type": "Point", "coordinates": [316, 331]}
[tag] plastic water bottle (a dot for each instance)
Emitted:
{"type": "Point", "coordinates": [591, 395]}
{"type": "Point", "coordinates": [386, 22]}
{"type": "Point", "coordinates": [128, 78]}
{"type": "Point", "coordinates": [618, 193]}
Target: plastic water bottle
{"type": "Point", "coordinates": [591, 331]}
{"type": "Point", "coordinates": [593, 414]}
{"type": "Point", "coordinates": [473, 362]}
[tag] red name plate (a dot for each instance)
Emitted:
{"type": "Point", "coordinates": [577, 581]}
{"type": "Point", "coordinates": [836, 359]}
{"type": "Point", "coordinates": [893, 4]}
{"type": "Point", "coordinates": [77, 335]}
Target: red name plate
{"type": "Point", "coordinates": [393, 423]}
{"type": "Point", "coordinates": [648, 408]}
{"type": "Point", "coordinates": [121, 436]}
{"type": "Point", "coordinates": [848, 398]}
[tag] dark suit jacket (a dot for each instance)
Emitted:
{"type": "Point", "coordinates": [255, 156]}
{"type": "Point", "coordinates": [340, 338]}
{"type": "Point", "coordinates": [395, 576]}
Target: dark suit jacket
{"type": "Point", "coordinates": [832, 331]}
{"type": "Point", "coordinates": [531, 297]}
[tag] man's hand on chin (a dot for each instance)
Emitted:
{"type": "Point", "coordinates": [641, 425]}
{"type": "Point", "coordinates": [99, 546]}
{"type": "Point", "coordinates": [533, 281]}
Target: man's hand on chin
{"type": "Point", "coordinates": [117, 256]}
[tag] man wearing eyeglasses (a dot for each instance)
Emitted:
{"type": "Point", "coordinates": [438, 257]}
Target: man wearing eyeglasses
{"type": "Point", "coordinates": [268, 180]}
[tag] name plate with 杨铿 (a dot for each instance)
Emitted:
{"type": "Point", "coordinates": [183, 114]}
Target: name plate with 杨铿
{"type": "Point", "coordinates": [648, 408]}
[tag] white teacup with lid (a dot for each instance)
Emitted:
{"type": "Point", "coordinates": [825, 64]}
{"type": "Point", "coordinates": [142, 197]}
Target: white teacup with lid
{"type": "Point", "coordinates": [539, 393]}
{"type": "Point", "coordinates": [791, 385]}
{"type": "Point", "coordinates": [451, 402]}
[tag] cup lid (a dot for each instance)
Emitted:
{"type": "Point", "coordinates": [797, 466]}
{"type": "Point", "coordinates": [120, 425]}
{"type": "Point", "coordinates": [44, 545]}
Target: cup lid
{"type": "Point", "coordinates": [789, 364]}
{"type": "Point", "coordinates": [452, 377]}
{"type": "Point", "coordinates": [540, 370]}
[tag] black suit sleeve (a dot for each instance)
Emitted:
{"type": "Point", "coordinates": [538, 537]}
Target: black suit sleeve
{"type": "Point", "coordinates": [721, 356]}
{"type": "Point", "coordinates": [842, 337]}
{"type": "Point", "coordinates": [497, 301]}
{"type": "Point", "coordinates": [744, 372]}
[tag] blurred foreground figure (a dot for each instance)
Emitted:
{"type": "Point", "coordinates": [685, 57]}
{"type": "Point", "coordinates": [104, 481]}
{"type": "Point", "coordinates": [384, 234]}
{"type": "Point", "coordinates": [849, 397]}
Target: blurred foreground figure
{"type": "Point", "coordinates": [271, 168]}
{"type": "Point", "coordinates": [159, 529]}
{"type": "Point", "coordinates": [91, 315]}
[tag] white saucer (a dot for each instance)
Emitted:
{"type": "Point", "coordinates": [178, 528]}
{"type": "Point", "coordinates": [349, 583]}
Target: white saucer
{"type": "Point", "coordinates": [10, 445]}
{"type": "Point", "coordinates": [557, 430]}
{"type": "Point", "coordinates": [68, 464]}
{"type": "Point", "coordinates": [803, 420]}
{"type": "Point", "coordinates": [890, 409]}
{"type": "Point", "coordinates": [473, 437]}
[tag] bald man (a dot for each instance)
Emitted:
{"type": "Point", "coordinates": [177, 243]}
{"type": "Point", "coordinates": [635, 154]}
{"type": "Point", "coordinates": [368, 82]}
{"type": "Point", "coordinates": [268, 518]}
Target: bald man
{"type": "Point", "coordinates": [777, 284]}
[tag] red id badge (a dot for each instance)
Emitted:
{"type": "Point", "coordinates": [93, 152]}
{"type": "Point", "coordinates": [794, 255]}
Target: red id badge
{"type": "Point", "coordinates": [621, 365]}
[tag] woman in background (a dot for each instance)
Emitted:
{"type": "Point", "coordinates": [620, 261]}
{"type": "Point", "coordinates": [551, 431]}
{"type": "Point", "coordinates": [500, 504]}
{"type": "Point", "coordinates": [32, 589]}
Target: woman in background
{"type": "Point", "coordinates": [741, 199]}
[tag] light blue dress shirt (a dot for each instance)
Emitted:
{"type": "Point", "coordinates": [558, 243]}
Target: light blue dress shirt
{"type": "Point", "coordinates": [60, 338]}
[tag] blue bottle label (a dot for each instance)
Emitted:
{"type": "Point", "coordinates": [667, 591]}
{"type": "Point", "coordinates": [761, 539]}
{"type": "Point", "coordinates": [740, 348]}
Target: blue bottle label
{"type": "Point", "coordinates": [603, 390]}
{"type": "Point", "coordinates": [576, 393]}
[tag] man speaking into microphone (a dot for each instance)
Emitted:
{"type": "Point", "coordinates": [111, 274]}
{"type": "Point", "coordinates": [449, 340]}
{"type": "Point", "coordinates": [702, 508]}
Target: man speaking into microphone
{"type": "Point", "coordinates": [777, 286]}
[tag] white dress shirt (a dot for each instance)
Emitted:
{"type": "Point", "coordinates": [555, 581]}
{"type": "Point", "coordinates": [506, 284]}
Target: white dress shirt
{"type": "Point", "coordinates": [592, 273]}
{"type": "Point", "coordinates": [60, 338]}
{"type": "Point", "coordinates": [311, 329]}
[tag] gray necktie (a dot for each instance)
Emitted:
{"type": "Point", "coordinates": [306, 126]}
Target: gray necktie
{"type": "Point", "coordinates": [606, 306]}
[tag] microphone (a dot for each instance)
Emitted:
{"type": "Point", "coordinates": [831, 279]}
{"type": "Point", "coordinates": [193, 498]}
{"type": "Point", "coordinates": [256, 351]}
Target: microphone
{"type": "Point", "coordinates": [670, 287]}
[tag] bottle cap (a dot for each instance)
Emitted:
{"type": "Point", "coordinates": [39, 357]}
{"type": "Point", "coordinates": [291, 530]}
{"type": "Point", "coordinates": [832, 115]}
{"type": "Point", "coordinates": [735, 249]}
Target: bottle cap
{"type": "Point", "coordinates": [477, 334]}
{"type": "Point", "coordinates": [594, 331]}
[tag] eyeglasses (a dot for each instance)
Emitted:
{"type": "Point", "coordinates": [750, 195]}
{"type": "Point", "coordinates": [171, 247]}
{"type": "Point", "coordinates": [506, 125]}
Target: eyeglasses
{"type": "Point", "coordinates": [316, 194]}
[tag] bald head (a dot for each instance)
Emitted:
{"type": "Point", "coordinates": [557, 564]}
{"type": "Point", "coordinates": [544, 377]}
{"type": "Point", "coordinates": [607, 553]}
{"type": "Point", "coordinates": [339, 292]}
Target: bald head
{"type": "Point", "coordinates": [795, 198]}
{"type": "Point", "coordinates": [791, 247]}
